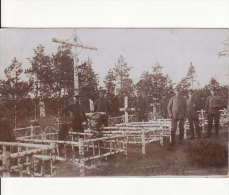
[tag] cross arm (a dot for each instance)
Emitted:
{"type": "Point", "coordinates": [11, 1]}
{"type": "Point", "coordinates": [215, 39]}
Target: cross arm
{"type": "Point", "coordinates": [72, 44]}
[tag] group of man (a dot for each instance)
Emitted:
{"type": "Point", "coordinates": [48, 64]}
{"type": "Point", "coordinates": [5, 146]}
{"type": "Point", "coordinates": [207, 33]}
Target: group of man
{"type": "Point", "coordinates": [175, 106]}
{"type": "Point", "coordinates": [179, 109]}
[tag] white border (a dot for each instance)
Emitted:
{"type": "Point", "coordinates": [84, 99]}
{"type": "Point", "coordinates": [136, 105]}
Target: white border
{"type": "Point", "coordinates": [93, 13]}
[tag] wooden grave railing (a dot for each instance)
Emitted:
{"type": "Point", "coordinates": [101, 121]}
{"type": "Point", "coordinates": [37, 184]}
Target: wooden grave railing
{"type": "Point", "coordinates": [141, 133]}
{"type": "Point", "coordinates": [26, 159]}
{"type": "Point", "coordinates": [83, 150]}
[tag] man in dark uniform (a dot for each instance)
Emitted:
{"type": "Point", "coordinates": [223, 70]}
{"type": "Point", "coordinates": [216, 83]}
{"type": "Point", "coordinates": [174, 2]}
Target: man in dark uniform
{"type": "Point", "coordinates": [212, 106]}
{"type": "Point", "coordinates": [6, 129]}
{"type": "Point", "coordinates": [140, 108]}
{"type": "Point", "coordinates": [193, 116]}
{"type": "Point", "coordinates": [78, 117]}
{"type": "Point", "coordinates": [103, 105]}
{"type": "Point", "coordinates": [164, 104]}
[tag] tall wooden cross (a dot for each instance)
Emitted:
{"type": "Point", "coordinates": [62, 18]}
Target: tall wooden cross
{"type": "Point", "coordinates": [126, 109]}
{"type": "Point", "coordinates": [75, 44]}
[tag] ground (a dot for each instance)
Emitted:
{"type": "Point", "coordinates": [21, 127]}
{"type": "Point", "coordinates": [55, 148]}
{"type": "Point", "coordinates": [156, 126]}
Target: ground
{"type": "Point", "coordinates": [158, 161]}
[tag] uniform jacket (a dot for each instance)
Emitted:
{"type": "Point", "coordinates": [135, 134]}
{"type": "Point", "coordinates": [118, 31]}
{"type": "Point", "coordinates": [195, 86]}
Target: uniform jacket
{"type": "Point", "coordinates": [141, 105]}
{"type": "Point", "coordinates": [177, 107]}
{"type": "Point", "coordinates": [102, 105]}
{"type": "Point", "coordinates": [163, 106]}
{"type": "Point", "coordinates": [192, 107]}
{"type": "Point", "coordinates": [78, 115]}
{"type": "Point", "coordinates": [213, 104]}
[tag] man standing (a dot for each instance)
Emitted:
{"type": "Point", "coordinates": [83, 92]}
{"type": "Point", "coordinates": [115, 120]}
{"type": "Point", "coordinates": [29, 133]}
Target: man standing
{"type": "Point", "coordinates": [212, 106]}
{"type": "Point", "coordinates": [77, 119]}
{"type": "Point", "coordinates": [192, 114]}
{"type": "Point", "coordinates": [140, 108]}
{"type": "Point", "coordinates": [164, 104]}
{"type": "Point", "coordinates": [177, 111]}
{"type": "Point", "coordinates": [103, 105]}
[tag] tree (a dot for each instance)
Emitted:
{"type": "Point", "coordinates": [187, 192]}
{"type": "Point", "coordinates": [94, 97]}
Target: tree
{"type": "Point", "coordinates": [213, 83]}
{"type": "Point", "coordinates": [109, 82]}
{"type": "Point", "coordinates": [191, 74]}
{"type": "Point", "coordinates": [183, 86]}
{"type": "Point", "coordinates": [41, 76]}
{"type": "Point", "coordinates": [154, 85]}
{"type": "Point", "coordinates": [16, 88]}
{"type": "Point", "coordinates": [144, 85]}
{"type": "Point", "coordinates": [88, 79]}
{"type": "Point", "coordinates": [124, 85]}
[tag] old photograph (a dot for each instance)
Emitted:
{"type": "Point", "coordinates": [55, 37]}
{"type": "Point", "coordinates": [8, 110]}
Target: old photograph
{"type": "Point", "coordinates": [114, 102]}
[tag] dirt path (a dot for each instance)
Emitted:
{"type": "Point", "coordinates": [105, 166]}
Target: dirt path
{"type": "Point", "coordinates": [159, 161]}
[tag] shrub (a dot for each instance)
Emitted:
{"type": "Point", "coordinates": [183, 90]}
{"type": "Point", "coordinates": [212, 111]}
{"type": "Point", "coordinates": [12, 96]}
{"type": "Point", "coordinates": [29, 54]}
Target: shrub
{"type": "Point", "coordinates": [207, 154]}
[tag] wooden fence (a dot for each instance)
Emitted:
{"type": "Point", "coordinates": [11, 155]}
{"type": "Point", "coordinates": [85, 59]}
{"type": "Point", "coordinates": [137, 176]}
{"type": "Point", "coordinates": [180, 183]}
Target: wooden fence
{"type": "Point", "coordinates": [82, 150]}
{"type": "Point", "coordinates": [21, 159]}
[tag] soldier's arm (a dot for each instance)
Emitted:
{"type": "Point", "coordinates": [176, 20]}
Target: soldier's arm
{"type": "Point", "coordinates": [66, 109]}
{"type": "Point", "coordinates": [95, 106]}
{"type": "Point", "coordinates": [169, 107]}
{"type": "Point", "coordinates": [206, 105]}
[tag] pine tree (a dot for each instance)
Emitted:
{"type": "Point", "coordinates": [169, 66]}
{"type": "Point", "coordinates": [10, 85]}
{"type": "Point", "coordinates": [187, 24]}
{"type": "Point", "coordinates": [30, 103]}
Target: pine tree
{"type": "Point", "coordinates": [183, 86]}
{"type": "Point", "coordinates": [154, 85]}
{"type": "Point", "coordinates": [16, 88]}
{"type": "Point", "coordinates": [124, 86]}
{"type": "Point", "coordinates": [88, 79]}
{"type": "Point", "coordinates": [109, 82]}
{"type": "Point", "coordinates": [191, 74]}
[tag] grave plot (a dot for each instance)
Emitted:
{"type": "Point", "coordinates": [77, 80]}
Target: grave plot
{"type": "Point", "coordinates": [142, 132]}
{"type": "Point", "coordinates": [26, 159]}
{"type": "Point", "coordinates": [44, 126]}
{"type": "Point", "coordinates": [79, 150]}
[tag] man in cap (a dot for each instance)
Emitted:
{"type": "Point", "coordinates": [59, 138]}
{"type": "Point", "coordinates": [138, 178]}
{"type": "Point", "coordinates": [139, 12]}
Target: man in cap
{"type": "Point", "coordinates": [78, 118]}
{"type": "Point", "coordinates": [177, 111]}
{"type": "Point", "coordinates": [141, 108]}
{"type": "Point", "coordinates": [103, 105]}
{"type": "Point", "coordinates": [193, 117]}
{"type": "Point", "coordinates": [212, 106]}
{"type": "Point", "coordinates": [164, 104]}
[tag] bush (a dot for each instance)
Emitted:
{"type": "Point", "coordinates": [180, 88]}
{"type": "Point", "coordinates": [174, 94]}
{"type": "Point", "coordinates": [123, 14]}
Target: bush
{"type": "Point", "coordinates": [207, 154]}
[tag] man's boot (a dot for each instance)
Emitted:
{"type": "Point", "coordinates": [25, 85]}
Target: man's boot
{"type": "Point", "coordinates": [172, 139]}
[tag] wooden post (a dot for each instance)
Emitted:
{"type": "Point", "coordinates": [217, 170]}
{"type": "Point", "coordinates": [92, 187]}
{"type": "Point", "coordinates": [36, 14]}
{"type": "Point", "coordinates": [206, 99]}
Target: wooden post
{"type": "Point", "coordinates": [32, 130]}
{"type": "Point", "coordinates": [185, 132]}
{"type": "Point", "coordinates": [42, 167]}
{"type": "Point", "coordinates": [99, 147]}
{"type": "Point", "coordinates": [19, 161]}
{"type": "Point", "coordinates": [53, 153]}
{"type": "Point", "coordinates": [81, 157]}
{"type": "Point", "coordinates": [161, 138]}
{"type": "Point", "coordinates": [93, 145]}
{"type": "Point", "coordinates": [126, 145]}
{"type": "Point", "coordinates": [32, 169]}
{"type": "Point", "coordinates": [27, 160]}
{"type": "Point", "coordinates": [5, 162]}
{"type": "Point", "coordinates": [110, 146]}
{"type": "Point", "coordinates": [143, 143]}
{"type": "Point", "coordinates": [65, 151]}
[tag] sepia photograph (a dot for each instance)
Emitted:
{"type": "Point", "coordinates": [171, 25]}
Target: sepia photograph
{"type": "Point", "coordinates": [114, 102]}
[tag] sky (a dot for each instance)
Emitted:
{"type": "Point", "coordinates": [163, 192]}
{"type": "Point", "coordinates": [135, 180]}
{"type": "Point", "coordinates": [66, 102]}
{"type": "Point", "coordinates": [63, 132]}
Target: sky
{"type": "Point", "coordinates": [174, 49]}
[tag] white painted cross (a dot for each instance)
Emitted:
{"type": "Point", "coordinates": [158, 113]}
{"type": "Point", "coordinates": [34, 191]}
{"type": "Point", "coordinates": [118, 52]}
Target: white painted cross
{"type": "Point", "coordinates": [126, 109]}
{"type": "Point", "coordinates": [75, 45]}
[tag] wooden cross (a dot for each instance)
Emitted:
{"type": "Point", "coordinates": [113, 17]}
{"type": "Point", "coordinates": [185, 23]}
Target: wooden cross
{"type": "Point", "coordinates": [126, 109]}
{"type": "Point", "coordinates": [75, 45]}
